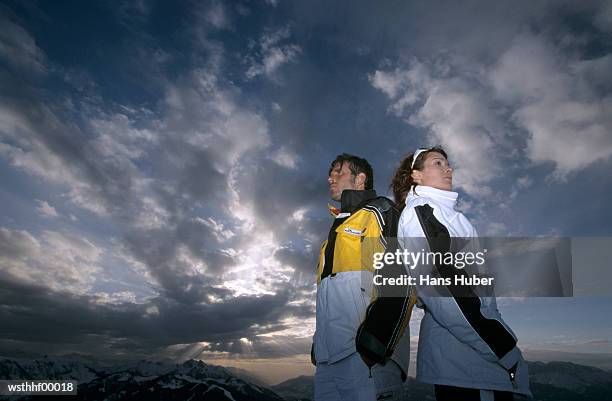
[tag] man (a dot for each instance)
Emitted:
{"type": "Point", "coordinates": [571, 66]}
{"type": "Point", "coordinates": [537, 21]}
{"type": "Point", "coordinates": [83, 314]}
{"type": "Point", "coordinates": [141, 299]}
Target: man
{"type": "Point", "coordinates": [359, 347]}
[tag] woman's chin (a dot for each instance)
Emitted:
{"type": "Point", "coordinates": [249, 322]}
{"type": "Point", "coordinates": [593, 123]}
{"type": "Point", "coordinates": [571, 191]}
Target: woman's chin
{"type": "Point", "coordinates": [444, 187]}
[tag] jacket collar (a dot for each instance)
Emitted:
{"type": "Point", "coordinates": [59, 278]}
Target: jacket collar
{"type": "Point", "coordinates": [446, 198]}
{"type": "Point", "coordinates": [352, 198]}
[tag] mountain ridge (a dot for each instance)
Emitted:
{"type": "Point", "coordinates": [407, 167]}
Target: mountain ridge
{"type": "Point", "coordinates": [197, 380]}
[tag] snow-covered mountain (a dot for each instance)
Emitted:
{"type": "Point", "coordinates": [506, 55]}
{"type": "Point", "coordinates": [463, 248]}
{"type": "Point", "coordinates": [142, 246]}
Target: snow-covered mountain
{"type": "Point", "coordinates": [61, 368]}
{"type": "Point", "coordinates": [193, 380]}
{"type": "Point", "coordinates": [196, 380]}
{"type": "Point", "coordinates": [142, 380]}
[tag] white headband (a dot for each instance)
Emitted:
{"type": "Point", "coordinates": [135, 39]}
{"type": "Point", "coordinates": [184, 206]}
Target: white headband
{"type": "Point", "coordinates": [416, 154]}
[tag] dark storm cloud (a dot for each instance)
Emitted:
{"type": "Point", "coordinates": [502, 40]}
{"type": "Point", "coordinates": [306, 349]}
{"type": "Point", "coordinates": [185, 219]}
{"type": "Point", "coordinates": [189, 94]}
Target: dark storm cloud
{"type": "Point", "coordinates": [189, 149]}
{"type": "Point", "coordinates": [201, 179]}
{"type": "Point", "coordinates": [19, 49]}
{"type": "Point", "coordinates": [402, 29]}
{"type": "Point", "coordinates": [39, 140]}
{"type": "Point", "coordinates": [303, 262]}
{"type": "Point", "coordinates": [158, 250]}
{"type": "Point", "coordinates": [35, 315]}
{"type": "Point", "coordinates": [277, 192]}
{"type": "Point", "coordinates": [199, 135]}
{"type": "Point", "coordinates": [161, 250]}
{"type": "Point", "coordinates": [261, 347]}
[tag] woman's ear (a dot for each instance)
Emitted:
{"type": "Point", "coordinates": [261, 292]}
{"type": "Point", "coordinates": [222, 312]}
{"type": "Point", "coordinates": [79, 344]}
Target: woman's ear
{"type": "Point", "coordinates": [417, 176]}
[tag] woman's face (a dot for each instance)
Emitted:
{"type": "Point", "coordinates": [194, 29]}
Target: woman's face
{"type": "Point", "coordinates": [436, 172]}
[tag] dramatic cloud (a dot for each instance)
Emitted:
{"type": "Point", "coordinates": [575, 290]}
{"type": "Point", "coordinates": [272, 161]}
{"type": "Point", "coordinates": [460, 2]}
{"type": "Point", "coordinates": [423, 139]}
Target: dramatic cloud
{"type": "Point", "coordinates": [536, 102]}
{"type": "Point", "coordinates": [152, 174]}
{"type": "Point", "coordinates": [117, 328]}
{"type": "Point", "coordinates": [45, 209]}
{"type": "Point", "coordinates": [164, 185]}
{"type": "Point", "coordinates": [554, 97]}
{"type": "Point", "coordinates": [216, 16]}
{"type": "Point", "coordinates": [270, 54]}
{"type": "Point", "coordinates": [454, 111]}
{"type": "Point", "coordinates": [19, 48]}
{"type": "Point", "coordinates": [55, 260]}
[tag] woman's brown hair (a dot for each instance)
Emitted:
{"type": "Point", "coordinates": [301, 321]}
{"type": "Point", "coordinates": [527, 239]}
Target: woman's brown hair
{"type": "Point", "coordinates": [402, 181]}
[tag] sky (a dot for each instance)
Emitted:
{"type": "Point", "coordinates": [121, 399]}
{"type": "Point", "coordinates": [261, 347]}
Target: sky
{"type": "Point", "coordinates": [164, 164]}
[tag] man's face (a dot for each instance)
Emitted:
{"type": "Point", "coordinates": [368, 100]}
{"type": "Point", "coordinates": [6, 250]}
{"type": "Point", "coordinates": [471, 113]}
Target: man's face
{"type": "Point", "coordinates": [341, 178]}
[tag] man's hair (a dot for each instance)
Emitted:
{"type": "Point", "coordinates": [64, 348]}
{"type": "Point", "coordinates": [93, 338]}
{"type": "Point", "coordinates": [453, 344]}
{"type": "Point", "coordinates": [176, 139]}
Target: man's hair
{"type": "Point", "coordinates": [357, 165]}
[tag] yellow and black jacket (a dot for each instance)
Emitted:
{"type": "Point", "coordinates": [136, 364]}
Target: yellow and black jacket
{"type": "Point", "coordinates": [353, 314]}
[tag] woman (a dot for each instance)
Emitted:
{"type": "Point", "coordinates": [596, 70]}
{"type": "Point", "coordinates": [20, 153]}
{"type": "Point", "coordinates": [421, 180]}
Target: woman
{"type": "Point", "coordinates": [465, 348]}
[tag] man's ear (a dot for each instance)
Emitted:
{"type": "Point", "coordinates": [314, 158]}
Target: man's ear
{"type": "Point", "coordinates": [417, 176]}
{"type": "Point", "coordinates": [360, 180]}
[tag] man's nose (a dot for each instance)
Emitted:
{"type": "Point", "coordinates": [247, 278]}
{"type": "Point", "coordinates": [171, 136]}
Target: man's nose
{"type": "Point", "coordinates": [329, 180]}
